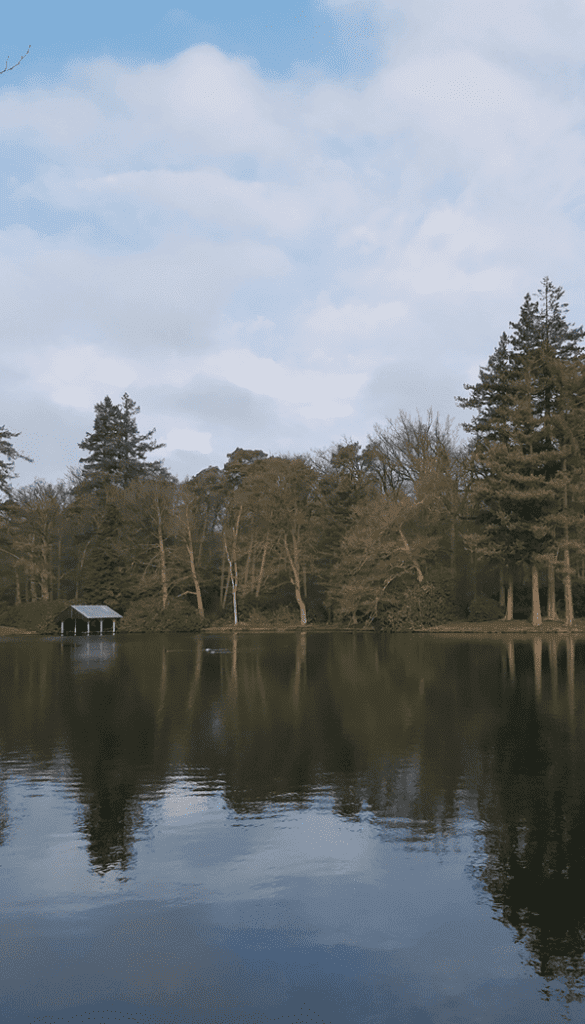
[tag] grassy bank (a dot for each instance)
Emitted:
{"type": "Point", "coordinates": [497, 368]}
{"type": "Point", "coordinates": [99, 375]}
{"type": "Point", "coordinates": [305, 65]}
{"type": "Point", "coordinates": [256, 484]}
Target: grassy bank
{"type": "Point", "coordinates": [39, 617]}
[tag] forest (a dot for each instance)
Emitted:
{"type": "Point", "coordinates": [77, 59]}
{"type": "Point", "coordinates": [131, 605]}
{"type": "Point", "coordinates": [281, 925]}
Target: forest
{"type": "Point", "coordinates": [419, 526]}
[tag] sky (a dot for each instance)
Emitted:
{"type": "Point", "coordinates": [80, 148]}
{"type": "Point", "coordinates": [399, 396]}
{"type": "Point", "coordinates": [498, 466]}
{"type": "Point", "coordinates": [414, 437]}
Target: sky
{"type": "Point", "coordinates": [276, 225]}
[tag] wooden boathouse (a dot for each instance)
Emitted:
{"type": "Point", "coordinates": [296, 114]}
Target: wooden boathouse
{"type": "Point", "coordinates": [88, 616]}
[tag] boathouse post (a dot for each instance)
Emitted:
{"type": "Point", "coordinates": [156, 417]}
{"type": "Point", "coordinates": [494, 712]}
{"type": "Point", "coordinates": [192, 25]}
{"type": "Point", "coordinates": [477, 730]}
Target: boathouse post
{"type": "Point", "coordinates": [88, 613]}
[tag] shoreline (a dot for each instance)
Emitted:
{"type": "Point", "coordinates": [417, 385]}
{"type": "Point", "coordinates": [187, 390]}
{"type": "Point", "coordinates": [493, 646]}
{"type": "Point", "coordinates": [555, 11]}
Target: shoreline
{"type": "Point", "coordinates": [506, 627]}
{"type": "Point", "coordinates": [500, 627]}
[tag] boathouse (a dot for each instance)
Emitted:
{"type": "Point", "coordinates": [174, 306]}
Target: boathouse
{"type": "Point", "coordinates": [79, 619]}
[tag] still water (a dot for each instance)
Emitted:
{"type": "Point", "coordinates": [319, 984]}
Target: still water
{"type": "Point", "coordinates": [319, 827]}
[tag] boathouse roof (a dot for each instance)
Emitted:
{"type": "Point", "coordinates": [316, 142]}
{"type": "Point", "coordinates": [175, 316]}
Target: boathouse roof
{"type": "Point", "coordinates": [87, 612]}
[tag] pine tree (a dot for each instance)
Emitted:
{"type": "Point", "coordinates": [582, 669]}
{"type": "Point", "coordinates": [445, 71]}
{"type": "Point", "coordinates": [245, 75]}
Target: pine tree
{"type": "Point", "coordinates": [8, 456]}
{"type": "Point", "coordinates": [117, 451]}
{"type": "Point", "coordinates": [106, 577]}
{"type": "Point", "coordinates": [521, 444]}
{"type": "Point", "coordinates": [567, 438]}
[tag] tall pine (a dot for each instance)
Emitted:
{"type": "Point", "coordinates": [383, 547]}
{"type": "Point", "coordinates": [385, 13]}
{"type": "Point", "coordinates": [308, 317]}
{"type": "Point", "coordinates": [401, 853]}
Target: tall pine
{"type": "Point", "coordinates": [524, 453]}
{"type": "Point", "coordinates": [117, 450]}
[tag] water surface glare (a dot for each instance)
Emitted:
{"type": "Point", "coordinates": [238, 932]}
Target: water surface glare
{"type": "Point", "coordinates": [298, 827]}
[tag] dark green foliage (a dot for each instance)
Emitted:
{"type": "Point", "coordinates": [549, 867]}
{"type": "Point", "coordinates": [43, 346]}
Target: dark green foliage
{"type": "Point", "coordinates": [528, 438]}
{"type": "Point", "coordinates": [484, 609]}
{"type": "Point", "coordinates": [8, 456]}
{"type": "Point", "coordinates": [344, 479]}
{"type": "Point", "coordinates": [107, 578]}
{"type": "Point", "coordinates": [146, 616]}
{"type": "Point", "coordinates": [238, 464]}
{"type": "Point", "coordinates": [117, 451]}
{"type": "Point", "coordinates": [38, 616]}
{"type": "Point", "coordinates": [419, 605]}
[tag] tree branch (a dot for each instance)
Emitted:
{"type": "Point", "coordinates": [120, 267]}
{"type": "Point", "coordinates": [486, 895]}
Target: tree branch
{"type": "Point", "coordinates": [6, 68]}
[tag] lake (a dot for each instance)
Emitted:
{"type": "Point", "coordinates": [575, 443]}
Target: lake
{"type": "Point", "coordinates": [298, 827]}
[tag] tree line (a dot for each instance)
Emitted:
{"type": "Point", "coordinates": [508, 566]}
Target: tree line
{"type": "Point", "coordinates": [415, 527]}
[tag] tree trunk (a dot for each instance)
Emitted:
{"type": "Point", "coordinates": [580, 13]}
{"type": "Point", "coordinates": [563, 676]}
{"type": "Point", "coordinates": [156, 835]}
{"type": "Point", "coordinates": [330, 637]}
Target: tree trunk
{"type": "Point", "coordinates": [194, 573]}
{"type": "Point", "coordinates": [223, 588]}
{"type": "Point", "coordinates": [261, 573]}
{"type": "Point", "coordinates": [44, 572]}
{"type": "Point", "coordinates": [250, 589]}
{"type": "Point", "coordinates": [234, 581]}
{"type": "Point", "coordinates": [551, 601]}
{"type": "Point", "coordinates": [536, 612]}
{"type": "Point", "coordinates": [202, 538]}
{"type": "Point", "coordinates": [247, 565]}
{"type": "Point", "coordinates": [567, 582]}
{"type": "Point", "coordinates": [419, 574]}
{"type": "Point", "coordinates": [232, 564]}
{"type": "Point", "coordinates": [296, 578]}
{"type": "Point", "coordinates": [32, 570]}
{"type": "Point", "coordinates": [58, 579]}
{"type": "Point", "coordinates": [18, 597]}
{"type": "Point", "coordinates": [162, 558]}
{"type": "Point", "coordinates": [502, 598]}
{"type": "Point", "coordinates": [80, 570]}
{"type": "Point", "coordinates": [510, 597]}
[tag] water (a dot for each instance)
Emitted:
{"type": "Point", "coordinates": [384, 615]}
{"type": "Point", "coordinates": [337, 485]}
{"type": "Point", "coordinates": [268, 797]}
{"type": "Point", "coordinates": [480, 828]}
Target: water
{"type": "Point", "coordinates": [321, 828]}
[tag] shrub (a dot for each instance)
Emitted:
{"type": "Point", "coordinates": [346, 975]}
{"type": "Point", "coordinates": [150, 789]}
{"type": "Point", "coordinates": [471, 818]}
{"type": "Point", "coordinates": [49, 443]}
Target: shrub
{"type": "Point", "coordinates": [146, 616]}
{"type": "Point", "coordinates": [34, 615]}
{"type": "Point", "coordinates": [484, 609]}
{"type": "Point", "coordinates": [420, 604]}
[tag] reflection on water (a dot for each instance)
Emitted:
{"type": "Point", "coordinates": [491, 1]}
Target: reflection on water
{"type": "Point", "coordinates": [346, 762]}
{"type": "Point", "coordinates": [92, 653]}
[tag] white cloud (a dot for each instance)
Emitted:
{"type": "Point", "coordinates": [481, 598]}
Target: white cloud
{"type": "Point", "coordinates": [192, 224]}
{"type": "Point", "coordinates": [209, 195]}
{"type": "Point", "coordinates": [357, 319]}
{"type": "Point", "coordinates": [315, 394]}
{"type": "Point", "coordinates": [183, 439]}
{"type": "Point", "coordinates": [78, 376]}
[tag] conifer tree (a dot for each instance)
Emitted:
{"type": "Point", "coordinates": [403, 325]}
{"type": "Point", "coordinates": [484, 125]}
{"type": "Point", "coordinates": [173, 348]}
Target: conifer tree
{"type": "Point", "coordinates": [8, 456]}
{"type": "Point", "coordinates": [117, 451]}
{"type": "Point", "coordinates": [520, 440]}
{"type": "Point", "coordinates": [106, 577]}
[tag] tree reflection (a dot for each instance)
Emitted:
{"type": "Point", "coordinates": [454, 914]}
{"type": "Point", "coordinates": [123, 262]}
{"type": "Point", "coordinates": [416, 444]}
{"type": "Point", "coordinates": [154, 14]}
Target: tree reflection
{"type": "Point", "coordinates": [410, 731]}
{"type": "Point", "coordinates": [533, 806]}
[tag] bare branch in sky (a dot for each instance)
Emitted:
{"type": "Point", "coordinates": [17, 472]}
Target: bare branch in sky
{"type": "Point", "coordinates": [6, 68]}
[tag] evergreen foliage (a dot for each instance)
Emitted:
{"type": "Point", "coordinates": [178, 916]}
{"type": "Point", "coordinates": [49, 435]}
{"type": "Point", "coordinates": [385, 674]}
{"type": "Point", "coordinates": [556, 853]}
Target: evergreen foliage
{"type": "Point", "coordinates": [526, 456]}
{"type": "Point", "coordinates": [146, 615]}
{"type": "Point", "coordinates": [117, 450]}
{"type": "Point", "coordinates": [8, 456]}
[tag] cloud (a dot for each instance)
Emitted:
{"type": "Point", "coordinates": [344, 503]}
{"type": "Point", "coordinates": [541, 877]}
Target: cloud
{"type": "Point", "coordinates": [169, 294]}
{"type": "Point", "coordinates": [316, 395]}
{"type": "Point", "coordinates": [76, 375]}
{"type": "Point", "coordinates": [254, 258]}
{"type": "Point", "coordinates": [357, 319]}
{"type": "Point", "coordinates": [208, 195]}
{"type": "Point", "coordinates": [184, 439]}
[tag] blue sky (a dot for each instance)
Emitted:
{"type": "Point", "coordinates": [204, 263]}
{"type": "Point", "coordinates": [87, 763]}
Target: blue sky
{"type": "Point", "coordinates": [275, 225]}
